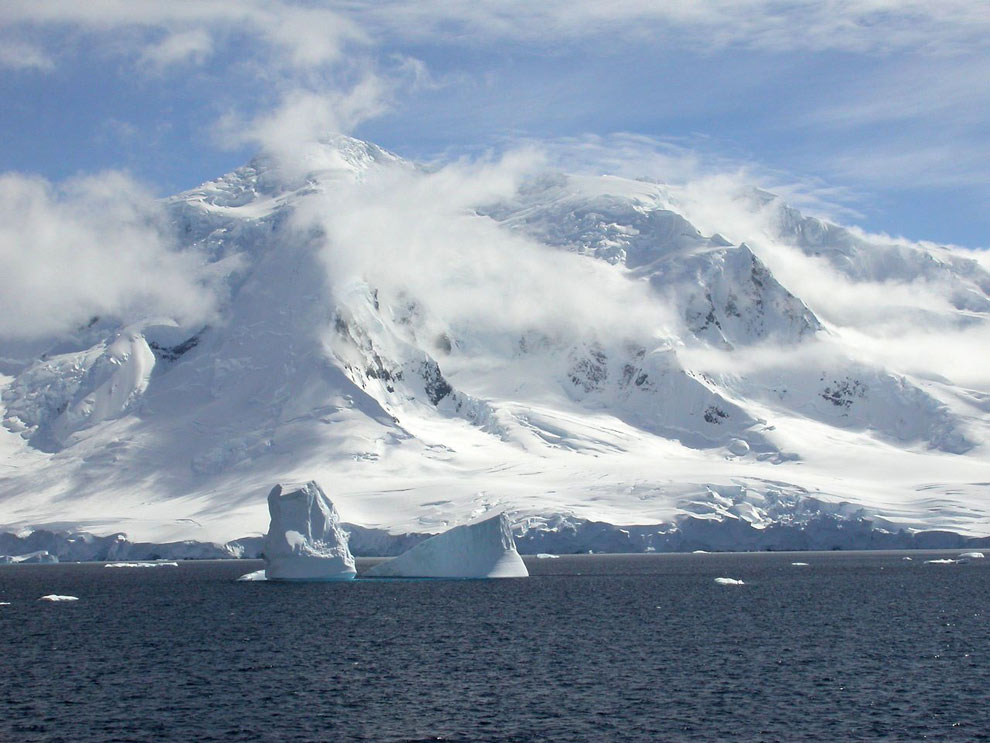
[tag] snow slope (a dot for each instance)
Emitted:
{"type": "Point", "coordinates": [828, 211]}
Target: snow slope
{"type": "Point", "coordinates": [573, 352]}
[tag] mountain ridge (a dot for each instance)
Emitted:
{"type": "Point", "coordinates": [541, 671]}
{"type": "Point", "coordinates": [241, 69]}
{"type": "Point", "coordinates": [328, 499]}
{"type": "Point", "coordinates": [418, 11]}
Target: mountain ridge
{"type": "Point", "coordinates": [678, 380]}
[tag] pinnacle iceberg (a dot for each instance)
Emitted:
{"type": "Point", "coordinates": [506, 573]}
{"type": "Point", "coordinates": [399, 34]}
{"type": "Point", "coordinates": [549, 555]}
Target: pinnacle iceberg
{"type": "Point", "coordinates": [305, 541]}
{"type": "Point", "coordinates": [485, 549]}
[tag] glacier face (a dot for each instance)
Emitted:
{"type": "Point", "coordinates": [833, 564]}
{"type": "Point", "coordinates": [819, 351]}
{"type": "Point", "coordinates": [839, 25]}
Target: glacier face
{"type": "Point", "coordinates": [573, 350]}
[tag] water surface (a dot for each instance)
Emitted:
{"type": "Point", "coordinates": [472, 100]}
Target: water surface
{"type": "Point", "coordinates": [853, 646]}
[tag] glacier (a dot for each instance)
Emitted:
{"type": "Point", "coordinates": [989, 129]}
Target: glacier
{"type": "Point", "coordinates": [305, 541]}
{"type": "Point", "coordinates": [484, 549]}
{"type": "Point", "coordinates": [618, 371]}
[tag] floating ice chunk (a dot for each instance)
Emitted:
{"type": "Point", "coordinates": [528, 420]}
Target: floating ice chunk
{"type": "Point", "coordinates": [57, 597]}
{"type": "Point", "coordinates": [4, 603]}
{"type": "Point", "coordinates": [141, 565]}
{"type": "Point", "coordinates": [972, 556]}
{"type": "Point", "coordinates": [484, 549]}
{"type": "Point", "coordinates": [729, 582]}
{"type": "Point", "coordinates": [546, 556]}
{"type": "Point", "coordinates": [305, 540]}
{"type": "Point", "coordinates": [799, 564]}
{"type": "Point", "coordinates": [907, 558]}
{"type": "Point", "coordinates": [944, 561]}
{"type": "Point", "coordinates": [256, 575]}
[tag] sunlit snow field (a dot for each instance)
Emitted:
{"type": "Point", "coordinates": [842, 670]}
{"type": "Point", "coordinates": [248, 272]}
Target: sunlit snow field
{"type": "Point", "coordinates": [849, 646]}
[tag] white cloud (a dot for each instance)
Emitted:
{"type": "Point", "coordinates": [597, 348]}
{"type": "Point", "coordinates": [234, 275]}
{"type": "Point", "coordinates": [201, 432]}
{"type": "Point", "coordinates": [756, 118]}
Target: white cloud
{"type": "Point", "coordinates": [185, 46]}
{"type": "Point", "coordinates": [305, 35]}
{"type": "Point", "coordinates": [303, 117]}
{"type": "Point", "coordinates": [412, 232]}
{"type": "Point", "coordinates": [23, 55]}
{"type": "Point", "coordinates": [865, 26]}
{"type": "Point", "coordinates": [316, 33]}
{"type": "Point", "coordinates": [91, 246]}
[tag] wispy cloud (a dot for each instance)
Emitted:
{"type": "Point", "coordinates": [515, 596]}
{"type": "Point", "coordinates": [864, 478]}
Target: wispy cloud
{"type": "Point", "coordinates": [307, 35]}
{"type": "Point", "coordinates": [698, 171]}
{"type": "Point", "coordinates": [18, 54]}
{"type": "Point", "coordinates": [191, 46]}
{"type": "Point", "coordinates": [412, 233]}
{"type": "Point", "coordinates": [864, 26]}
{"type": "Point", "coordinates": [303, 116]}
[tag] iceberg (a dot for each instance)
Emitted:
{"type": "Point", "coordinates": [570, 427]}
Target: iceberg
{"type": "Point", "coordinates": [729, 582]}
{"type": "Point", "coordinates": [972, 556]}
{"type": "Point", "coordinates": [56, 598]}
{"type": "Point", "coordinates": [40, 557]}
{"type": "Point", "coordinates": [256, 575]}
{"type": "Point", "coordinates": [485, 549]}
{"type": "Point", "coordinates": [305, 541]}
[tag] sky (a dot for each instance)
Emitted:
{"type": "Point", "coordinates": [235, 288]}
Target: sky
{"type": "Point", "coordinates": [872, 112]}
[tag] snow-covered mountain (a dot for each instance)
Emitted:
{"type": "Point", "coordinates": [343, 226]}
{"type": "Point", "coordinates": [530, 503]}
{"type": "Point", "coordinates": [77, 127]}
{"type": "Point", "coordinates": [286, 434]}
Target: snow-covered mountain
{"type": "Point", "coordinates": [571, 349]}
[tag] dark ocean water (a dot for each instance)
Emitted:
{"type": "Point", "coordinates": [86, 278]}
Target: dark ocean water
{"type": "Point", "coordinates": [856, 646]}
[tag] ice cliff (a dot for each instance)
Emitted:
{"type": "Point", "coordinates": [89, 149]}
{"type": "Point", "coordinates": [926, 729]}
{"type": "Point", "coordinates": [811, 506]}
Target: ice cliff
{"type": "Point", "coordinates": [484, 549]}
{"type": "Point", "coordinates": [305, 541]}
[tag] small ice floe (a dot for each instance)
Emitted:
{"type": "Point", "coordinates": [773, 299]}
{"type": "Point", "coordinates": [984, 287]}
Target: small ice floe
{"type": "Point", "coordinates": [700, 552]}
{"type": "Point", "coordinates": [972, 556]}
{"type": "Point", "coordinates": [907, 558]}
{"type": "Point", "coordinates": [729, 582]}
{"type": "Point", "coordinates": [57, 597]}
{"type": "Point", "coordinates": [942, 561]}
{"type": "Point", "coordinates": [256, 575]}
{"type": "Point", "coordinates": [4, 603]}
{"type": "Point", "coordinates": [799, 564]}
{"type": "Point", "coordinates": [142, 565]}
{"type": "Point", "coordinates": [546, 556]}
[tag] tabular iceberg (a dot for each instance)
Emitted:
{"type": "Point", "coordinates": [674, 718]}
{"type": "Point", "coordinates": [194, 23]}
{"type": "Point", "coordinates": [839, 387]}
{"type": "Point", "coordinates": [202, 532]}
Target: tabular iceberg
{"type": "Point", "coordinates": [43, 557]}
{"type": "Point", "coordinates": [305, 540]}
{"type": "Point", "coordinates": [482, 550]}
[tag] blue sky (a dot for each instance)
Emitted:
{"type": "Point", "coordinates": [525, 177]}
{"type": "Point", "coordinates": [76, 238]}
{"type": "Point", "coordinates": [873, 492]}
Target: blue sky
{"type": "Point", "coordinates": [872, 111]}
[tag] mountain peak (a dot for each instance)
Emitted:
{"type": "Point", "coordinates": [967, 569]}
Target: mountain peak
{"type": "Point", "coordinates": [332, 157]}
